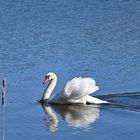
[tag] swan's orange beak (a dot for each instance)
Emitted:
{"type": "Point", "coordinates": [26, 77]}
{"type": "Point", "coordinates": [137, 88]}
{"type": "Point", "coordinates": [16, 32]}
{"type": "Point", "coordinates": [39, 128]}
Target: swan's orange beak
{"type": "Point", "coordinates": [46, 79]}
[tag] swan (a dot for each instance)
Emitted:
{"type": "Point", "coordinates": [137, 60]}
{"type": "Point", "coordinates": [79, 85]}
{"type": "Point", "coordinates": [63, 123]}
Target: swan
{"type": "Point", "coordinates": [76, 91]}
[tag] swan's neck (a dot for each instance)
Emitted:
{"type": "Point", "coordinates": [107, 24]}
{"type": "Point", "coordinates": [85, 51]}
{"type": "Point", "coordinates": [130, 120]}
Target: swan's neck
{"type": "Point", "coordinates": [49, 89]}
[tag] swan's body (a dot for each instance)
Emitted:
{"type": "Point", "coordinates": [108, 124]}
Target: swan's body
{"type": "Point", "coordinates": [76, 91]}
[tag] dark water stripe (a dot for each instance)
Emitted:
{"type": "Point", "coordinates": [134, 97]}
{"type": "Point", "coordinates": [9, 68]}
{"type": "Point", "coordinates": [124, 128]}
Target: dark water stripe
{"type": "Point", "coordinates": [127, 101]}
{"type": "Point", "coordinates": [119, 94]}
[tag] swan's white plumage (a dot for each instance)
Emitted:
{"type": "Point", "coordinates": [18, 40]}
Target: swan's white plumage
{"type": "Point", "coordinates": [76, 91]}
{"type": "Point", "coordinates": [79, 87]}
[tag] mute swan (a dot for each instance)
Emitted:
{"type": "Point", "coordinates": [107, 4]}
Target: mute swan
{"type": "Point", "coordinates": [76, 91]}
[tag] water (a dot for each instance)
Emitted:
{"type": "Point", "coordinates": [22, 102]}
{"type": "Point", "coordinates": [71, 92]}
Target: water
{"type": "Point", "coordinates": [72, 38]}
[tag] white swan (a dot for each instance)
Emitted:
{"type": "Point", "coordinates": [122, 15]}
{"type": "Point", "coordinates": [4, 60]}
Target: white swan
{"type": "Point", "coordinates": [76, 91]}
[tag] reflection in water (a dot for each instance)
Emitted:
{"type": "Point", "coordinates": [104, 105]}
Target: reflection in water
{"type": "Point", "coordinates": [51, 120]}
{"type": "Point", "coordinates": [79, 116]}
{"type": "Point", "coordinates": [82, 116]}
{"type": "Point", "coordinates": [2, 122]}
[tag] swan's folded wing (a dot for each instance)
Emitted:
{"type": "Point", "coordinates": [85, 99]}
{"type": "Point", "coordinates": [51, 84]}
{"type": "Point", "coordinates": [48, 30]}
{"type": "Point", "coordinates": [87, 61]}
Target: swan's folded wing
{"type": "Point", "coordinates": [79, 87]}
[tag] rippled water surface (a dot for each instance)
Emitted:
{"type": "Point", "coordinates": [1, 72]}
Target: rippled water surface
{"type": "Point", "coordinates": [95, 38]}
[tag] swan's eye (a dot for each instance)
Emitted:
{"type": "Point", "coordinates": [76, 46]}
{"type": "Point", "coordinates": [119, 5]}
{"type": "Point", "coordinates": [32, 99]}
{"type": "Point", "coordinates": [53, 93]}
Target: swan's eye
{"type": "Point", "coordinates": [49, 77]}
{"type": "Point", "coordinates": [46, 79]}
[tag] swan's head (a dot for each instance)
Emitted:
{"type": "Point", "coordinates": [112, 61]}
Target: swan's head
{"type": "Point", "coordinates": [49, 76]}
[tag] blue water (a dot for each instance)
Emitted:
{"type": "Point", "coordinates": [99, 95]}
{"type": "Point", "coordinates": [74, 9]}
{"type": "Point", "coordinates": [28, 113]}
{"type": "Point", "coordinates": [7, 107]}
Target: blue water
{"type": "Point", "coordinates": [96, 38]}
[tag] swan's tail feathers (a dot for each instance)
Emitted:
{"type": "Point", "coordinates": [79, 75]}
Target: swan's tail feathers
{"type": "Point", "coordinates": [93, 100]}
{"type": "Point", "coordinates": [79, 87]}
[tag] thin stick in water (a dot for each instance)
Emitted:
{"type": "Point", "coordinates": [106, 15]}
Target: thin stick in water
{"type": "Point", "coordinates": [3, 92]}
{"type": "Point", "coordinates": [3, 105]}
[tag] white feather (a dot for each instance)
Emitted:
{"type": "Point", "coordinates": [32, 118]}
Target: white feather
{"type": "Point", "coordinates": [79, 87]}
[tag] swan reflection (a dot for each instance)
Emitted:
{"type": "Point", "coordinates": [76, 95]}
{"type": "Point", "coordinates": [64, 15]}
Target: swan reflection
{"type": "Point", "coordinates": [77, 116]}
{"type": "Point", "coordinates": [51, 120]}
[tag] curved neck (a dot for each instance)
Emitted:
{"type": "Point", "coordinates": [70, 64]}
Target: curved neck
{"type": "Point", "coordinates": [49, 88]}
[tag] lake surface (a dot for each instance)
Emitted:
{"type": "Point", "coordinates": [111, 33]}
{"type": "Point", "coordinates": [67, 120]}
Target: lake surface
{"type": "Point", "coordinates": [88, 38]}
